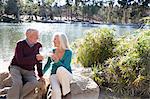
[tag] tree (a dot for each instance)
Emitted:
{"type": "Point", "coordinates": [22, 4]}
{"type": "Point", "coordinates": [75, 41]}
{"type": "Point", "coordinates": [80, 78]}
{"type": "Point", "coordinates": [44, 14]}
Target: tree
{"type": "Point", "coordinates": [49, 2]}
{"type": "Point", "coordinates": [2, 5]}
{"type": "Point", "coordinates": [145, 3]}
{"type": "Point", "coordinates": [57, 11]}
{"type": "Point", "coordinates": [77, 2]}
{"type": "Point", "coordinates": [12, 8]}
{"type": "Point", "coordinates": [138, 10]}
{"type": "Point", "coordinates": [69, 8]}
{"type": "Point", "coordinates": [46, 9]}
{"type": "Point", "coordinates": [30, 9]}
{"type": "Point", "coordinates": [124, 7]}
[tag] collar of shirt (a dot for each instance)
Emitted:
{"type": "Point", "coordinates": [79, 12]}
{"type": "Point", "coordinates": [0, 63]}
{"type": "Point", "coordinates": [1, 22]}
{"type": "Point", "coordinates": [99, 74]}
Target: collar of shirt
{"type": "Point", "coordinates": [31, 45]}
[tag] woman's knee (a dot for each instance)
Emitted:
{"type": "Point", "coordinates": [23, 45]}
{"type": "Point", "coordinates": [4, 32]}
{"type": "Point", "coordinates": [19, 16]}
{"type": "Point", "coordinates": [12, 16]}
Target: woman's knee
{"type": "Point", "coordinates": [60, 70]}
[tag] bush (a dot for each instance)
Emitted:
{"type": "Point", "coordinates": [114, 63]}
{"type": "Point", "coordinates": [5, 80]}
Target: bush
{"type": "Point", "coordinates": [95, 47]}
{"type": "Point", "coordinates": [127, 73]}
{"type": "Point", "coordinates": [120, 64]}
{"type": "Point", "coordinates": [143, 47]}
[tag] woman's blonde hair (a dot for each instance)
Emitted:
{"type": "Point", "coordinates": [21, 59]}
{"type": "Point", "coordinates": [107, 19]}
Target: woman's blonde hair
{"type": "Point", "coordinates": [64, 43]}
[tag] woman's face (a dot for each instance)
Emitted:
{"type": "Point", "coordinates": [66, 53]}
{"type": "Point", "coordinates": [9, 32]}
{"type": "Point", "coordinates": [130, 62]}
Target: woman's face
{"type": "Point", "coordinates": [56, 41]}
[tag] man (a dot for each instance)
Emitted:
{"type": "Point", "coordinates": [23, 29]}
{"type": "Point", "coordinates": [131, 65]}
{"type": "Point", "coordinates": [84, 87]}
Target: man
{"type": "Point", "coordinates": [22, 66]}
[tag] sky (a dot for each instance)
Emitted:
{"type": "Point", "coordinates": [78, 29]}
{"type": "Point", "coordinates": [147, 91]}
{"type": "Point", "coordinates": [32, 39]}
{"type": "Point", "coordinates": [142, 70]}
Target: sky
{"type": "Point", "coordinates": [63, 2]}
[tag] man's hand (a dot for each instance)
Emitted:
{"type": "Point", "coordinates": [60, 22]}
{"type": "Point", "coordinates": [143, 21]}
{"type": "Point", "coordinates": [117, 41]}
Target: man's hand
{"type": "Point", "coordinates": [39, 57]}
{"type": "Point", "coordinates": [42, 79]}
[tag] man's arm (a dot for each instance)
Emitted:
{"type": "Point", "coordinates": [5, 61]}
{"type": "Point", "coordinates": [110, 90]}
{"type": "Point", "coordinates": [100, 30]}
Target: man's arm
{"type": "Point", "coordinates": [39, 69]}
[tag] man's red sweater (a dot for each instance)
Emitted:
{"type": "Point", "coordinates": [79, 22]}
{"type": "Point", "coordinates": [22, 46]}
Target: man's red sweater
{"type": "Point", "coordinates": [25, 57]}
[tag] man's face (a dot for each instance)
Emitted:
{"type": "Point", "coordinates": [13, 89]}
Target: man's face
{"type": "Point", "coordinates": [33, 37]}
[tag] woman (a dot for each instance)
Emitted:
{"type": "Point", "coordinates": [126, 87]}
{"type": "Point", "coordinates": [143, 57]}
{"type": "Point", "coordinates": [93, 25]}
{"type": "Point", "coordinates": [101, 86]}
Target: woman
{"type": "Point", "coordinates": [59, 62]}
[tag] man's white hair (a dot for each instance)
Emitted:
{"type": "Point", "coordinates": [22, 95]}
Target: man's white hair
{"type": "Point", "coordinates": [30, 31]}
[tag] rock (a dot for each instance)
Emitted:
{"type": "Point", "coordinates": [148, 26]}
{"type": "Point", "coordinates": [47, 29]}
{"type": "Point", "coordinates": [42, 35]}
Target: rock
{"type": "Point", "coordinates": [38, 93]}
{"type": "Point", "coordinates": [4, 91]}
{"type": "Point", "coordinates": [83, 87]}
{"type": "Point", "coordinates": [77, 69]}
{"type": "Point", "coordinates": [5, 83]}
{"type": "Point", "coordinates": [5, 80]}
{"type": "Point", "coordinates": [3, 75]}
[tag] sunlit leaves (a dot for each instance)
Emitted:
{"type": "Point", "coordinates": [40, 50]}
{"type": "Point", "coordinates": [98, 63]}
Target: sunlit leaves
{"type": "Point", "coordinates": [122, 64]}
{"type": "Point", "coordinates": [96, 47]}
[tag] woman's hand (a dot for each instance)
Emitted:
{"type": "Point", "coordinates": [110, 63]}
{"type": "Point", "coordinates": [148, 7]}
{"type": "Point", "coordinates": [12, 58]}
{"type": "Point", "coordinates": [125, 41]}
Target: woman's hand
{"type": "Point", "coordinates": [54, 57]}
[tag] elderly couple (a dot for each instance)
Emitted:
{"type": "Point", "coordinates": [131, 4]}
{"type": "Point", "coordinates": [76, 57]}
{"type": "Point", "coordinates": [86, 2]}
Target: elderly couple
{"type": "Point", "coordinates": [22, 67]}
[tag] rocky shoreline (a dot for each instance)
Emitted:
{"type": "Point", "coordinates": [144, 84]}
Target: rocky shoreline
{"type": "Point", "coordinates": [63, 20]}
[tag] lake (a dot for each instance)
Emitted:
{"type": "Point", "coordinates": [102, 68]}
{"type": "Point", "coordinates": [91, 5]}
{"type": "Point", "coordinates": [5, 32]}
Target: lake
{"type": "Point", "coordinates": [10, 33]}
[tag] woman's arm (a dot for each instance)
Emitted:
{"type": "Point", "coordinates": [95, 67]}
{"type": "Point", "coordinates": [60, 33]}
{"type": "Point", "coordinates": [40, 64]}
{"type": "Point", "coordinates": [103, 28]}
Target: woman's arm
{"type": "Point", "coordinates": [47, 66]}
{"type": "Point", "coordinates": [67, 60]}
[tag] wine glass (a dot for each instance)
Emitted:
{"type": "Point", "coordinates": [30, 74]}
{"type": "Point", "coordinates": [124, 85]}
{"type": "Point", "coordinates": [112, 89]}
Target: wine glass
{"type": "Point", "coordinates": [42, 51]}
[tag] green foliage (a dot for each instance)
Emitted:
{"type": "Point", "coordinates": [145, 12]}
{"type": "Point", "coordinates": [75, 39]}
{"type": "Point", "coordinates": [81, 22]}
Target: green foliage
{"type": "Point", "coordinates": [143, 48]}
{"type": "Point", "coordinates": [146, 20]}
{"type": "Point", "coordinates": [11, 7]}
{"type": "Point", "coordinates": [49, 2]}
{"type": "Point", "coordinates": [98, 74]}
{"type": "Point", "coordinates": [30, 8]}
{"type": "Point", "coordinates": [1, 8]}
{"type": "Point", "coordinates": [90, 10]}
{"type": "Point", "coordinates": [123, 3]}
{"type": "Point", "coordinates": [127, 73]}
{"type": "Point", "coordinates": [121, 64]}
{"type": "Point", "coordinates": [96, 47]}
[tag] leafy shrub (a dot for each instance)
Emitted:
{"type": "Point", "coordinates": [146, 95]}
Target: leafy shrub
{"type": "Point", "coordinates": [143, 47]}
{"type": "Point", "coordinates": [127, 73]}
{"type": "Point", "coordinates": [95, 47]}
{"type": "Point", "coordinates": [120, 64]}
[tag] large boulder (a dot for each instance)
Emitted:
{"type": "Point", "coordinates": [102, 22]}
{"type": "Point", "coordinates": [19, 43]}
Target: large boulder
{"type": "Point", "coordinates": [5, 83]}
{"type": "Point", "coordinates": [81, 86]}
{"type": "Point", "coordinates": [5, 80]}
{"type": "Point", "coordinates": [38, 93]}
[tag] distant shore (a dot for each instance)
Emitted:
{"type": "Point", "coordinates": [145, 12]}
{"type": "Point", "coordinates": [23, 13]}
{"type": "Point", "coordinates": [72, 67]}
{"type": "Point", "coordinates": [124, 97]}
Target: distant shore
{"type": "Point", "coordinates": [9, 19]}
